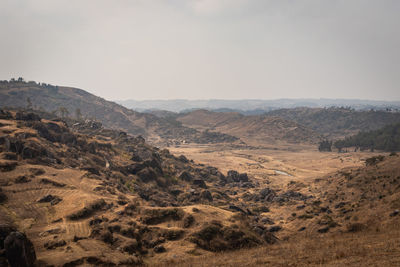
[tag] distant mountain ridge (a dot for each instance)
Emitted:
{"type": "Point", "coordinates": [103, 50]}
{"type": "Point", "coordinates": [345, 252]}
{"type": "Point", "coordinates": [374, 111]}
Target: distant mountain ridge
{"type": "Point", "coordinates": [179, 105]}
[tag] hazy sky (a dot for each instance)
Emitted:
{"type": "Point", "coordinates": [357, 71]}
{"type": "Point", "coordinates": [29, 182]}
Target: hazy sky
{"type": "Point", "coordinates": [200, 49]}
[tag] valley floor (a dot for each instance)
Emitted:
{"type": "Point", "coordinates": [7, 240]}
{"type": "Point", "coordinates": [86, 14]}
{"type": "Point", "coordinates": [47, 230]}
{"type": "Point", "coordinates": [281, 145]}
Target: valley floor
{"type": "Point", "coordinates": [278, 167]}
{"type": "Point", "coordinates": [277, 163]}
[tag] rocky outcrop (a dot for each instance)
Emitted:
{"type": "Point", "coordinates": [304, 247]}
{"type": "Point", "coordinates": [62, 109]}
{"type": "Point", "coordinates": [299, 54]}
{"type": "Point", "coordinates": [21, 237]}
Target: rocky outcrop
{"type": "Point", "coordinates": [216, 237]}
{"type": "Point", "coordinates": [18, 249]}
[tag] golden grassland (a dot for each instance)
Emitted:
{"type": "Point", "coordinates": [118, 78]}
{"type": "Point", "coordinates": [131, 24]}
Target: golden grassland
{"type": "Point", "coordinates": [377, 247]}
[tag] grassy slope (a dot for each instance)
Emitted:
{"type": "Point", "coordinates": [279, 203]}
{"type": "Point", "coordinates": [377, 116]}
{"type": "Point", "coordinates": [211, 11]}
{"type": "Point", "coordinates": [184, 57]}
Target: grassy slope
{"type": "Point", "coordinates": [255, 127]}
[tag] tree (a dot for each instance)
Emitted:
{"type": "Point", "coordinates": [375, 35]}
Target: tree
{"type": "Point", "coordinates": [63, 111]}
{"type": "Point", "coordinates": [325, 145]}
{"type": "Point", "coordinates": [28, 103]}
{"type": "Point", "coordinates": [386, 138]}
{"type": "Point", "coordinates": [78, 114]}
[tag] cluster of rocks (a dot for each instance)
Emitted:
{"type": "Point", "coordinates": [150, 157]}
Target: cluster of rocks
{"type": "Point", "coordinates": [138, 237]}
{"type": "Point", "coordinates": [214, 236]}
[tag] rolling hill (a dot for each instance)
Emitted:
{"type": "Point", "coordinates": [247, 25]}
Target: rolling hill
{"type": "Point", "coordinates": [96, 196]}
{"type": "Point", "coordinates": [336, 123]}
{"type": "Point", "coordinates": [257, 127]}
{"type": "Point", "coordinates": [67, 101]}
{"type": "Point", "coordinates": [385, 139]}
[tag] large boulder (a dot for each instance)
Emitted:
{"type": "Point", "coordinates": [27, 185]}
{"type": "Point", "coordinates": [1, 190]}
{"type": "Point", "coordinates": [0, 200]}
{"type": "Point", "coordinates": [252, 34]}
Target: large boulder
{"type": "Point", "coordinates": [237, 177]}
{"type": "Point", "coordinates": [186, 176]}
{"type": "Point", "coordinates": [19, 250]}
{"type": "Point", "coordinates": [200, 183]}
{"type": "Point", "coordinates": [147, 175]}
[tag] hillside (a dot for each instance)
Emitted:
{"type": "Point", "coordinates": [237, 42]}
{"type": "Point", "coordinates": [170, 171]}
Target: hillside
{"type": "Point", "coordinates": [256, 127]}
{"type": "Point", "coordinates": [352, 219]}
{"type": "Point", "coordinates": [73, 102]}
{"type": "Point", "coordinates": [337, 122]}
{"type": "Point", "coordinates": [84, 194]}
{"type": "Point", "coordinates": [385, 139]}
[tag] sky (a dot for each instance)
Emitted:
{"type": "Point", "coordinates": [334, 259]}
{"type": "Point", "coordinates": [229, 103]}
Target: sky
{"type": "Point", "coordinates": [206, 49]}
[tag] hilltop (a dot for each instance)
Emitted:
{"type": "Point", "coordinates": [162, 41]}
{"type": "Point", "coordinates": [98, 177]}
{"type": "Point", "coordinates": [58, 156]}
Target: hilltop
{"type": "Point", "coordinates": [79, 104]}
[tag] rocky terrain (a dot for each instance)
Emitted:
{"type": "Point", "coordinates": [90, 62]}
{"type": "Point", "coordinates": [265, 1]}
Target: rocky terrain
{"type": "Point", "coordinates": [76, 193]}
{"type": "Point", "coordinates": [104, 197]}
